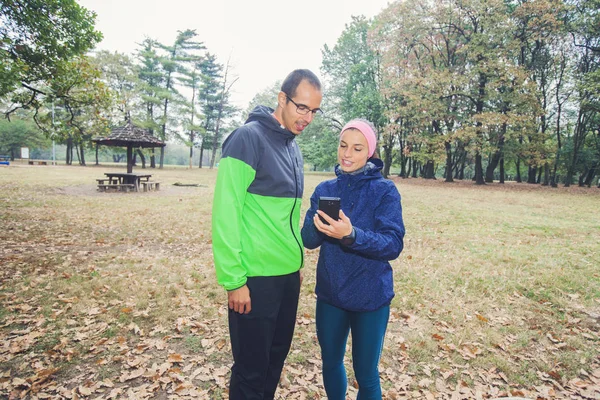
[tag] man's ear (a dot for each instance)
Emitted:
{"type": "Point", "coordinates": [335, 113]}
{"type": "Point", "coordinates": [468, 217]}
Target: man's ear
{"type": "Point", "coordinates": [281, 99]}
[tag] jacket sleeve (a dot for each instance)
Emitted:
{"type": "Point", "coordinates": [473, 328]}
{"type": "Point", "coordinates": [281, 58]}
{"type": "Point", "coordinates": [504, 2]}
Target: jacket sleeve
{"type": "Point", "coordinates": [311, 237]}
{"type": "Point", "coordinates": [236, 173]}
{"type": "Point", "coordinates": [386, 241]}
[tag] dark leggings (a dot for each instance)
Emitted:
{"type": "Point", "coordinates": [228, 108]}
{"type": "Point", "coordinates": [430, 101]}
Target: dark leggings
{"type": "Point", "coordinates": [368, 330]}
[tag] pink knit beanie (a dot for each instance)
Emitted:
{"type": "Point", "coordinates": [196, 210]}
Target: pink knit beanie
{"type": "Point", "coordinates": [366, 130]}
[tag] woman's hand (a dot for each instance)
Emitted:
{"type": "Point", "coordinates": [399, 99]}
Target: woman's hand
{"type": "Point", "coordinates": [336, 229]}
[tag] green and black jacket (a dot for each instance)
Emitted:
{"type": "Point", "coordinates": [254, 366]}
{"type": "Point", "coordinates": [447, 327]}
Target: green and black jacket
{"type": "Point", "coordinates": [256, 208]}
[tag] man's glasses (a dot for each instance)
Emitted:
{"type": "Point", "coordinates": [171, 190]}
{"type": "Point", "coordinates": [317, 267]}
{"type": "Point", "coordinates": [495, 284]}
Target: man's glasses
{"type": "Point", "coordinates": [304, 110]}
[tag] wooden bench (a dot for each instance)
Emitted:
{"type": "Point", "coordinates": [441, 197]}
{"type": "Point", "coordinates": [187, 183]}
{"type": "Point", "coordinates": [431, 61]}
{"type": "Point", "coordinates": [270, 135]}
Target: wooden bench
{"type": "Point", "coordinates": [35, 162]}
{"type": "Point", "coordinates": [150, 185]}
{"type": "Point", "coordinates": [104, 181]}
{"type": "Point", "coordinates": [124, 187]}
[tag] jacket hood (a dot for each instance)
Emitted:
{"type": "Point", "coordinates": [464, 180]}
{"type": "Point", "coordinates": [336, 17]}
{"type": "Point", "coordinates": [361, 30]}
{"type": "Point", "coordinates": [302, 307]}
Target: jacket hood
{"type": "Point", "coordinates": [372, 170]}
{"type": "Point", "coordinates": [264, 116]}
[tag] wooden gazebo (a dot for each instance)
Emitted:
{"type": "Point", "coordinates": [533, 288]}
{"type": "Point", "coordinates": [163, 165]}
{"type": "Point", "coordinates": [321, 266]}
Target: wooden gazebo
{"type": "Point", "coordinates": [129, 136]}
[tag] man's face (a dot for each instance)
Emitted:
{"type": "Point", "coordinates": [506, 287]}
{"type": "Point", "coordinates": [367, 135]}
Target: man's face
{"type": "Point", "coordinates": [306, 97]}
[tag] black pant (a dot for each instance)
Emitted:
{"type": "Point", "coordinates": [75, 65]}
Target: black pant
{"type": "Point", "coordinates": [261, 339]}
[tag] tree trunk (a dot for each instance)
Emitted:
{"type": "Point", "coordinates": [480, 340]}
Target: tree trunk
{"type": "Point", "coordinates": [415, 168]}
{"type": "Point", "coordinates": [459, 164]}
{"type": "Point", "coordinates": [493, 163]}
{"type": "Point", "coordinates": [129, 159]}
{"type": "Point", "coordinates": [448, 172]}
{"type": "Point", "coordinates": [69, 152]}
{"type": "Point", "coordinates": [402, 172]}
{"type": "Point", "coordinates": [97, 154]}
{"type": "Point", "coordinates": [387, 160]}
{"type": "Point", "coordinates": [578, 139]}
{"type": "Point", "coordinates": [498, 154]}
{"type": "Point", "coordinates": [518, 177]}
{"type": "Point", "coordinates": [531, 173]}
{"type": "Point", "coordinates": [81, 155]}
{"type": "Point", "coordinates": [590, 176]}
{"type": "Point", "coordinates": [429, 170]}
{"type": "Point", "coordinates": [559, 104]}
{"type": "Point", "coordinates": [479, 169]}
{"type": "Point", "coordinates": [479, 179]}
{"type": "Point", "coordinates": [502, 169]}
{"type": "Point", "coordinates": [152, 159]}
{"type": "Point", "coordinates": [546, 174]}
{"type": "Point", "coordinates": [142, 157]}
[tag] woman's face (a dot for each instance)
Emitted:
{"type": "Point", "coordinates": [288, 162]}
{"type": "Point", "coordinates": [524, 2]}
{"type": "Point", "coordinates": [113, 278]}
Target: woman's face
{"type": "Point", "coordinates": [353, 151]}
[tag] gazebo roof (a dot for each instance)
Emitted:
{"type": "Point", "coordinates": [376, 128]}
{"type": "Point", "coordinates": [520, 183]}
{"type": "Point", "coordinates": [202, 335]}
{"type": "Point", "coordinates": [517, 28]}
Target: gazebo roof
{"type": "Point", "coordinates": [129, 135]}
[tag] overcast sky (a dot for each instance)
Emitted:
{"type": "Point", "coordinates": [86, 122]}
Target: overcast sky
{"type": "Point", "coordinates": [265, 39]}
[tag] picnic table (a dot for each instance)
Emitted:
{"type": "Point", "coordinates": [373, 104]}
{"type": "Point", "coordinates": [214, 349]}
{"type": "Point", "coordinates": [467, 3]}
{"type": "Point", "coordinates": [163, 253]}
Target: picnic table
{"type": "Point", "coordinates": [124, 181]}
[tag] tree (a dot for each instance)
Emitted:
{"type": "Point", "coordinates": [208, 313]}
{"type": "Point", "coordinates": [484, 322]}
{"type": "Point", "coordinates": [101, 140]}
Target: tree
{"type": "Point", "coordinates": [191, 79]}
{"type": "Point", "coordinates": [19, 133]}
{"type": "Point", "coordinates": [354, 78]}
{"type": "Point", "coordinates": [151, 78]}
{"type": "Point", "coordinates": [583, 26]}
{"type": "Point", "coordinates": [77, 109]}
{"type": "Point", "coordinates": [319, 143]}
{"type": "Point", "coordinates": [37, 39]}
{"type": "Point", "coordinates": [181, 52]}
{"type": "Point", "coordinates": [224, 110]}
{"type": "Point", "coordinates": [266, 97]}
{"type": "Point", "coordinates": [120, 75]}
{"type": "Point", "coordinates": [209, 101]}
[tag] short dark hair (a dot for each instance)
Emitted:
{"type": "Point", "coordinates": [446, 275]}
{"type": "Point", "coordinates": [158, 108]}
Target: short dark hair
{"type": "Point", "coordinates": [291, 82]}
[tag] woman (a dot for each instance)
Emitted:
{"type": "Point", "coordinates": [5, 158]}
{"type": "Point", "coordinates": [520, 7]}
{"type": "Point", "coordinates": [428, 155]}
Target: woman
{"type": "Point", "coordinates": [354, 277]}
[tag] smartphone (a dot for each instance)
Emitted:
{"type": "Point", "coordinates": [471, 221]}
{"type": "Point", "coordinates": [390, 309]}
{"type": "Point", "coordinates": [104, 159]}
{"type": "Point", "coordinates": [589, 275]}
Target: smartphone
{"type": "Point", "coordinates": [331, 207]}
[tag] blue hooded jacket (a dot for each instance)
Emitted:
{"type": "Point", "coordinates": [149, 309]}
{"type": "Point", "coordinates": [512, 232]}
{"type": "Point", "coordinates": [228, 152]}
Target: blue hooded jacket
{"type": "Point", "coordinates": [358, 277]}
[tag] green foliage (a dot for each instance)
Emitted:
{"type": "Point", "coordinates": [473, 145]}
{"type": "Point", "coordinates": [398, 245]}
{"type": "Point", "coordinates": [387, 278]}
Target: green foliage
{"type": "Point", "coordinates": [485, 78]}
{"type": "Point", "coordinates": [119, 73]}
{"type": "Point", "coordinates": [151, 80]}
{"type": "Point", "coordinates": [319, 143]}
{"type": "Point", "coordinates": [352, 67]}
{"type": "Point", "coordinates": [173, 60]}
{"type": "Point", "coordinates": [19, 133]}
{"type": "Point", "coordinates": [81, 103]}
{"type": "Point", "coordinates": [266, 97]}
{"type": "Point", "coordinates": [37, 37]}
{"type": "Point", "coordinates": [210, 96]}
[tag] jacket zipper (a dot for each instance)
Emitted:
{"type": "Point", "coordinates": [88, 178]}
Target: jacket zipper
{"type": "Point", "coordinates": [294, 161]}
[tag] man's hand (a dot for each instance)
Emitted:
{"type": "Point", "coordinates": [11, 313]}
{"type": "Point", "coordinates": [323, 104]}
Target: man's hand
{"type": "Point", "coordinates": [239, 300]}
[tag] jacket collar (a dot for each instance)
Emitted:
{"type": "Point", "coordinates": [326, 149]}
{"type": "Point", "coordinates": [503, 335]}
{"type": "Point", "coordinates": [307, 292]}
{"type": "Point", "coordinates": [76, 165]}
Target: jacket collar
{"type": "Point", "coordinates": [372, 170]}
{"type": "Point", "coordinates": [264, 115]}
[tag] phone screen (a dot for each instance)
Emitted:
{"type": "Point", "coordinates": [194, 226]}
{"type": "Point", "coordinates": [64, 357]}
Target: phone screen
{"type": "Point", "coordinates": [331, 207]}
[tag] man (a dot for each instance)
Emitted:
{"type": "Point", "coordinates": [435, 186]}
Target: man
{"type": "Point", "coordinates": [257, 245]}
